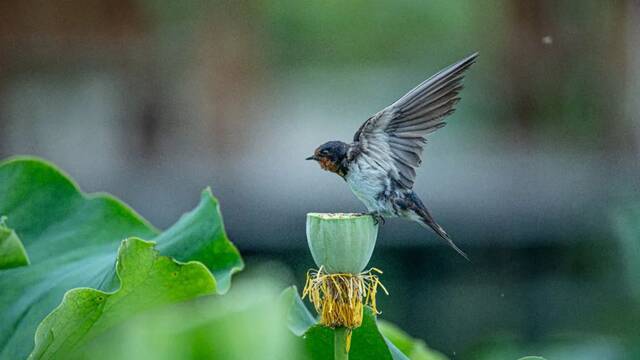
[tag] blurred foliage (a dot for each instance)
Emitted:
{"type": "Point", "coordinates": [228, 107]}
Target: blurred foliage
{"type": "Point", "coordinates": [627, 225]}
{"type": "Point", "coordinates": [72, 240]}
{"type": "Point", "coordinates": [414, 349]}
{"type": "Point", "coordinates": [247, 323]}
{"type": "Point", "coordinates": [548, 91]}
{"type": "Point", "coordinates": [568, 347]}
{"type": "Point", "coordinates": [364, 33]}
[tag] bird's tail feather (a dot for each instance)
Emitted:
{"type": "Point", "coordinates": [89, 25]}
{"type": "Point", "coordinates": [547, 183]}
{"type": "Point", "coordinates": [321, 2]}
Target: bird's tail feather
{"type": "Point", "coordinates": [425, 219]}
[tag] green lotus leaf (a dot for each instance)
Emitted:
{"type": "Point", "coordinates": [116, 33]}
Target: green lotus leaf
{"type": "Point", "coordinates": [147, 280]}
{"type": "Point", "coordinates": [299, 319]}
{"type": "Point", "coordinates": [72, 240]}
{"type": "Point", "coordinates": [12, 252]}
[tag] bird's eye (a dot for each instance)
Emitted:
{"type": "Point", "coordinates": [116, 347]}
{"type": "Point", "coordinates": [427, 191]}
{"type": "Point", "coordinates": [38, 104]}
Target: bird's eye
{"type": "Point", "coordinates": [324, 152]}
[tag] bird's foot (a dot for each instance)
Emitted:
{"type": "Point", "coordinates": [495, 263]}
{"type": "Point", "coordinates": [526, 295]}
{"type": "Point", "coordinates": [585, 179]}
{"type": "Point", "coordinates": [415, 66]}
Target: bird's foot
{"type": "Point", "coordinates": [377, 218]}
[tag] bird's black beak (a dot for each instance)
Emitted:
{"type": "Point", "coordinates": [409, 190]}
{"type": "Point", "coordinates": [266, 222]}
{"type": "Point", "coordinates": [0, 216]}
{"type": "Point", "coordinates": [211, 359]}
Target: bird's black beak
{"type": "Point", "coordinates": [313, 157]}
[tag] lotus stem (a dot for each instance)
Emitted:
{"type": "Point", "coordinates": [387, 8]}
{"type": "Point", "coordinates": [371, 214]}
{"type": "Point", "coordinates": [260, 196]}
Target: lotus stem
{"type": "Point", "coordinates": [341, 343]}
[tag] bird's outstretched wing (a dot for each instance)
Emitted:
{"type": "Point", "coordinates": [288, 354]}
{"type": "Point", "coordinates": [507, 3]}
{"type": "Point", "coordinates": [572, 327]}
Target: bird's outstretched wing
{"type": "Point", "coordinates": [394, 137]}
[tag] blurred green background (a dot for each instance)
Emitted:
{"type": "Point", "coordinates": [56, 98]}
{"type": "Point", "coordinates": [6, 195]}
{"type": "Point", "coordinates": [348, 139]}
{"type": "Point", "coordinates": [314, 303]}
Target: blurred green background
{"type": "Point", "coordinates": [536, 176]}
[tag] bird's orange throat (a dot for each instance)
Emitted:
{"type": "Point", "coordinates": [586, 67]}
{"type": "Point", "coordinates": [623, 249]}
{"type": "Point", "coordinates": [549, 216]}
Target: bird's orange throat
{"type": "Point", "coordinates": [328, 165]}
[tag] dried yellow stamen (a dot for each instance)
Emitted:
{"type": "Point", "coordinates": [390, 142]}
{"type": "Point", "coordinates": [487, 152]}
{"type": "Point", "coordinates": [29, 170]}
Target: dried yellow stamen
{"type": "Point", "coordinates": [339, 298]}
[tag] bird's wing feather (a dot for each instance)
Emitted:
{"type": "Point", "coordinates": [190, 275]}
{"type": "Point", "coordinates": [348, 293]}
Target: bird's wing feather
{"type": "Point", "coordinates": [395, 136]}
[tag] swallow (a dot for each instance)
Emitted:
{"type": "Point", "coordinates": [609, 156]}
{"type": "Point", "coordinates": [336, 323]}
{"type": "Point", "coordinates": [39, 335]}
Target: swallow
{"type": "Point", "coordinates": [380, 164]}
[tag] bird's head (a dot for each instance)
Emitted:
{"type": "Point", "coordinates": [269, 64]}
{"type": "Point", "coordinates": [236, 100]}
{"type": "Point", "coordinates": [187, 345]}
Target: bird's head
{"type": "Point", "coordinates": [331, 156]}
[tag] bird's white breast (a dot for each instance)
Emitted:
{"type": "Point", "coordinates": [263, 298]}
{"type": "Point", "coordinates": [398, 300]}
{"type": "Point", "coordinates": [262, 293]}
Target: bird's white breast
{"type": "Point", "coordinates": [366, 183]}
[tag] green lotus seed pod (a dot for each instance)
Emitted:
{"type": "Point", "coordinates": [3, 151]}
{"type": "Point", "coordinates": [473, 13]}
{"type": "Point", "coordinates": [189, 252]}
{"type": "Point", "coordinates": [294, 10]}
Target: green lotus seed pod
{"type": "Point", "coordinates": [342, 243]}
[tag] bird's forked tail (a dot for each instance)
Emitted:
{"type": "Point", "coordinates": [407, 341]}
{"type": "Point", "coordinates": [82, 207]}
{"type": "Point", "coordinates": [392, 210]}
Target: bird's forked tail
{"type": "Point", "coordinates": [421, 215]}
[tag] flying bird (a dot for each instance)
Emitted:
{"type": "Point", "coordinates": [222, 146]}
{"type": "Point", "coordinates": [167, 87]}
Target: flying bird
{"type": "Point", "coordinates": [380, 164]}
